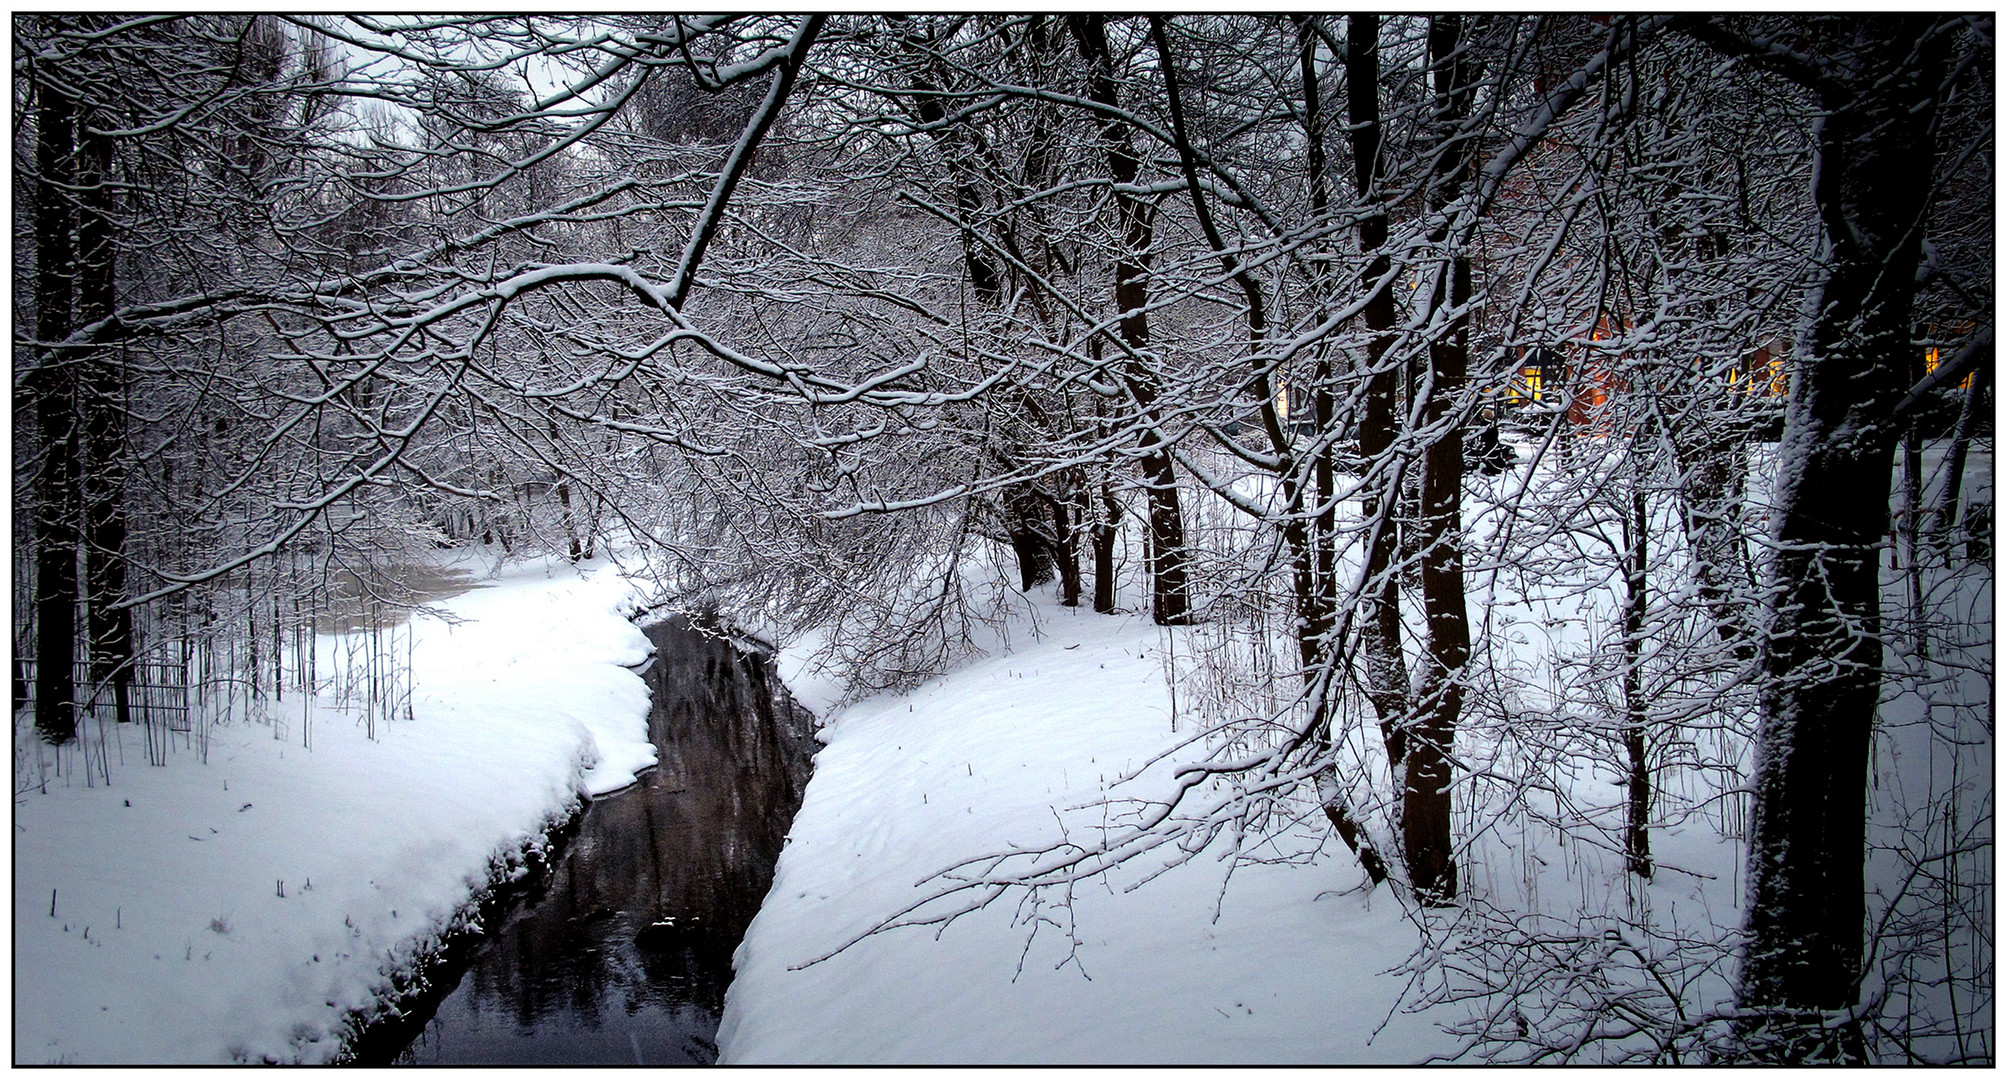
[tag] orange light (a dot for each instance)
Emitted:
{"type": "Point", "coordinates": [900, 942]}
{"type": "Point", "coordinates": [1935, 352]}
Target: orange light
{"type": "Point", "coordinates": [1930, 362]}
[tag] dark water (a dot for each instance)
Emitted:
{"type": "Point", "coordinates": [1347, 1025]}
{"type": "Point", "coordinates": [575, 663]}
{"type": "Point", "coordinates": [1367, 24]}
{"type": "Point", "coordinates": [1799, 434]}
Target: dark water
{"type": "Point", "coordinates": [562, 979]}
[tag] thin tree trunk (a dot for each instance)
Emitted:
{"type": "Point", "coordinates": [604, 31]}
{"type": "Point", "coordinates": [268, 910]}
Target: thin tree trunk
{"type": "Point", "coordinates": [1711, 506]}
{"type": "Point", "coordinates": [1320, 610]}
{"type": "Point", "coordinates": [1908, 528]}
{"type": "Point", "coordinates": [1321, 616]}
{"type": "Point", "coordinates": [1637, 841]}
{"type": "Point", "coordinates": [251, 635]}
{"type": "Point", "coordinates": [102, 405]}
{"type": "Point", "coordinates": [1103, 536]}
{"type": "Point", "coordinates": [1067, 512]}
{"type": "Point", "coordinates": [1943, 508]}
{"type": "Point", "coordinates": [1170, 597]}
{"type": "Point", "coordinates": [278, 645]}
{"type": "Point", "coordinates": [1315, 617]}
{"type": "Point", "coordinates": [573, 548]}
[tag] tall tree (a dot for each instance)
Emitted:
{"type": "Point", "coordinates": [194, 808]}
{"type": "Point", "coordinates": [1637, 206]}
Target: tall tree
{"type": "Point", "coordinates": [1386, 670]}
{"type": "Point", "coordinates": [102, 414]}
{"type": "Point", "coordinates": [1170, 589]}
{"type": "Point", "coordinates": [50, 382]}
{"type": "Point", "coordinates": [1880, 83]}
{"type": "Point", "coordinates": [1305, 515]}
{"type": "Point", "coordinates": [1425, 806]}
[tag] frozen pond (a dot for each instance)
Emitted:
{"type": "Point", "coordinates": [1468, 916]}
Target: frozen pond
{"type": "Point", "coordinates": [384, 596]}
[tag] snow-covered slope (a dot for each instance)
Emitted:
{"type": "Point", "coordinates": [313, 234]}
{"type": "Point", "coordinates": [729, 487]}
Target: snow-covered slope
{"type": "Point", "coordinates": [1282, 966]}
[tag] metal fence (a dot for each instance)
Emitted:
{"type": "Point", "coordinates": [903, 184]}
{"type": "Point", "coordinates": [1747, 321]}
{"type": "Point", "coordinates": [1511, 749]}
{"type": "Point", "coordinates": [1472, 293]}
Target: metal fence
{"type": "Point", "coordinates": [156, 693]}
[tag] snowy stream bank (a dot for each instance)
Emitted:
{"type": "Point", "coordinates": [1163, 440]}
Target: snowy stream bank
{"type": "Point", "coordinates": [248, 908]}
{"type": "Point", "coordinates": [621, 953]}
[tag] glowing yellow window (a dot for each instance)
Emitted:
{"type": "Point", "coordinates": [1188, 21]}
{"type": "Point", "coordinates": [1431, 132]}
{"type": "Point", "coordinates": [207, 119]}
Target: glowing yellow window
{"type": "Point", "coordinates": [1930, 362]}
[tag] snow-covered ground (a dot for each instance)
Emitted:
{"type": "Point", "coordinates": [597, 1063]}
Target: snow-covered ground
{"type": "Point", "coordinates": [240, 910]}
{"type": "Point", "coordinates": [1282, 966]}
{"type": "Point", "coordinates": [1289, 961]}
{"type": "Point", "coordinates": [170, 939]}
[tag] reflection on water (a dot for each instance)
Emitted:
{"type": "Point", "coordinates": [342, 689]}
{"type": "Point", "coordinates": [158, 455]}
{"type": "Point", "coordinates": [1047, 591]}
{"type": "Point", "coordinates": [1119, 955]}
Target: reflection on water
{"type": "Point", "coordinates": [384, 596]}
{"type": "Point", "coordinates": [681, 862]}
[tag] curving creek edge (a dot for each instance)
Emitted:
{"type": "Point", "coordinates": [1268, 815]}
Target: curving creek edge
{"type": "Point", "coordinates": [619, 951]}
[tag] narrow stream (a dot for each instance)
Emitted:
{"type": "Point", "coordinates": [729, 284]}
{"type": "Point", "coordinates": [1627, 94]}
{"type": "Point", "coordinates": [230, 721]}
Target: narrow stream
{"type": "Point", "coordinates": [621, 956]}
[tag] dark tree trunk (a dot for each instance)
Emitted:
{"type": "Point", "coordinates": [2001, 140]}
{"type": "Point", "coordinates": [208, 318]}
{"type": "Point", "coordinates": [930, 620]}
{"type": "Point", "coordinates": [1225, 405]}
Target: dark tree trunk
{"type": "Point", "coordinates": [574, 549]}
{"type": "Point", "coordinates": [574, 546]}
{"type": "Point", "coordinates": [1034, 562]}
{"type": "Point", "coordinates": [1909, 519]}
{"type": "Point", "coordinates": [1909, 524]}
{"type": "Point", "coordinates": [1038, 552]}
{"type": "Point", "coordinates": [1320, 608]}
{"type": "Point", "coordinates": [102, 404]}
{"type": "Point", "coordinates": [1909, 514]}
{"type": "Point", "coordinates": [1710, 464]}
{"type": "Point", "coordinates": [1386, 669]}
{"type": "Point", "coordinates": [1170, 597]}
{"type": "Point", "coordinates": [1943, 508]}
{"type": "Point", "coordinates": [1067, 513]}
{"type": "Point", "coordinates": [1322, 618]}
{"type": "Point", "coordinates": [1821, 655]}
{"type": "Point", "coordinates": [1306, 535]}
{"type": "Point", "coordinates": [1028, 540]}
{"type": "Point", "coordinates": [51, 387]}
{"type": "Point", "coordinates": [984, 278]}
{"type": "Point", "coordinates": [1637, 841]}
{"type": "Point", "coordinates": [251, 627]}
{"type": "Point", "coordinates": [1102, 536]}
{"type": "Point", "coordinates": [1425, 811]}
